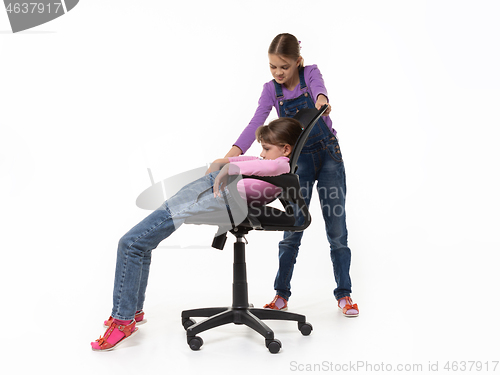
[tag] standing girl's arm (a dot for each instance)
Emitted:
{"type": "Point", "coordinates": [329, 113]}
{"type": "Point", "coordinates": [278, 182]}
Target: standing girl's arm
{"type": "Point", "coordinates": [247, 137]}
{"type": "Point", "coordinates": [234, 151]}
{"type": "Point", "coordinates": [318, 88]}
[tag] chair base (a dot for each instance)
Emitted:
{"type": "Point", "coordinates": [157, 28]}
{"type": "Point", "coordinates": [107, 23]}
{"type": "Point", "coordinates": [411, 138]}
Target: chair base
{"type": "Point", "coordinates": [251, 317]}
{"type": "Point", "coordinates": [240, 312]}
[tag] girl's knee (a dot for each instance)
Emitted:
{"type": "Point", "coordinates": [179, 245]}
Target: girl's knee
{"type": "Point", "coordinates": [125, 242]}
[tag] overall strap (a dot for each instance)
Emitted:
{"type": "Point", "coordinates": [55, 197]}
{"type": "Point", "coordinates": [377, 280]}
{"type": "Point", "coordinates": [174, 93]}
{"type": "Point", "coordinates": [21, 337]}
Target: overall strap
{"type": "Point", "coordinates": [278, 89]}
{"type": "Point", "coordinates": [302, 79]}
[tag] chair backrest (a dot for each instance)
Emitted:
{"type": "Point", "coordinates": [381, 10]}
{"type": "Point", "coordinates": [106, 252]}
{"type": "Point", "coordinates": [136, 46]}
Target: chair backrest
{"type": "Point", "coordinates": [308, 118]}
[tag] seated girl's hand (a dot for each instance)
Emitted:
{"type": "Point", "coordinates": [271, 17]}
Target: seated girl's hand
{"type": "Point", "coordinates": [220, 182]}
{"type": "Point", "coordinates": [217, 165]}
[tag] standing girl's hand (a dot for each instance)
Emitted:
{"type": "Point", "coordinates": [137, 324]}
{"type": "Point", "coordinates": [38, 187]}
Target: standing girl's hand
{"type": "Point", "coordinates": [221, 180]}
{"type": "Point", "coordinates": [321, 101]}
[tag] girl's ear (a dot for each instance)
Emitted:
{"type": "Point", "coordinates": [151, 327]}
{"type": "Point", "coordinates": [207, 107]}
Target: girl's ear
{"type": "Point", "coordinates": [299, 60]}
{"type": "Point", "coordinates": [287, 150]}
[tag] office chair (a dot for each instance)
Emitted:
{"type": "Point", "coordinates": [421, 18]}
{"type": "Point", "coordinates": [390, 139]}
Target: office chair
{"type": "Point", "coordinates": [259, 218]}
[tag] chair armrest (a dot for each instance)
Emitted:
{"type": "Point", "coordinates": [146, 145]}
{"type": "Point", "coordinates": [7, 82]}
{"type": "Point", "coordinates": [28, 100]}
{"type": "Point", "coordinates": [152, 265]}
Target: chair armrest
{"type": "Point", "coordinates": [289, 183]}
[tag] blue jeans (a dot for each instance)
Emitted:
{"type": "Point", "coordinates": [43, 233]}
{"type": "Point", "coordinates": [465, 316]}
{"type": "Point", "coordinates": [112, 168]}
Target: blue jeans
{"type": "Point", "coordinates": [134, 248]}
{"type": "Point", "coordinates": [321, 162]}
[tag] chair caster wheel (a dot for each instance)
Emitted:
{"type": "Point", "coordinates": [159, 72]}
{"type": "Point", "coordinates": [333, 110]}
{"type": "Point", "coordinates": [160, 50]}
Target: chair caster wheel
{"type": "Point", "coordinates": [305, 328]}
{"type": "Point", "coordinates": [188, 322]}
{"type": "Point", "coordinates": [274, 346]}
{"type": "Point", "coordinates": [195, 343]}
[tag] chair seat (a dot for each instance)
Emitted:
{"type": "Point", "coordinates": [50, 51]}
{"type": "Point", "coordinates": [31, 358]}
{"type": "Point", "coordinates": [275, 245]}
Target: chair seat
{"type": "Point", "coordinates": [209, 218]}
{"type": "Point", "coordinates": [265, 215]}
{"type": "Point", "coordinates": [271, 217]}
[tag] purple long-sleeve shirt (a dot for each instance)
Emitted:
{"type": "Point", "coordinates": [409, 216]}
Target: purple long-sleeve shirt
{"type": "Point", "coordinates": [268, 100]}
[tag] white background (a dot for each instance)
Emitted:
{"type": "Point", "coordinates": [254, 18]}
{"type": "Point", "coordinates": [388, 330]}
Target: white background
{"type": "Point", "coordinates": [91, 100]}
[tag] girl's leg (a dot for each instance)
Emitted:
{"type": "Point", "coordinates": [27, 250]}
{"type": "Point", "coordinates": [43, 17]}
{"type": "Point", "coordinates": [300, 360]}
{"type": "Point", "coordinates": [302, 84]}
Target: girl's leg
{"type": "Point", "coordinates": [289, 246]}
{"type": "Point", "coordinates": [135, 247]}
{"type": "Point", "coordinates": [134, 254]}
{"type": "Point", "coordinates": [332, 190]}
{"type": "Point", "coordinates": [133, 261]}
{"type": "Point", "coordinates": [146, 263]}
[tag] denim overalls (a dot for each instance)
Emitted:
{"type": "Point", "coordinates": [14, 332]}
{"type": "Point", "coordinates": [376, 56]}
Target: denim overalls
{"type": "Point", "coordinates": [321, 161]}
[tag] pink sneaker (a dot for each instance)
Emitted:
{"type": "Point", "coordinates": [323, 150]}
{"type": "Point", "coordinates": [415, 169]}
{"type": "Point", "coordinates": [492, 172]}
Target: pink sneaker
{"type": "Point", "coordinates": [278, 303]}
{"type": "Point", "coordinates": [114, 335]}
{"type": "Point", "coordinates": [348, 308]}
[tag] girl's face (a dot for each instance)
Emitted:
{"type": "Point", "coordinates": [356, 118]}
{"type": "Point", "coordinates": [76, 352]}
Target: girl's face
{"type": "Point", "coordinates": [284, 69]}
{"type": "Point", "coordinates": [271, 152]}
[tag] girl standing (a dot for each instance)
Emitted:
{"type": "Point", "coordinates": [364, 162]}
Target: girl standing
{"type": "Point", "coordinates": [294, 87]}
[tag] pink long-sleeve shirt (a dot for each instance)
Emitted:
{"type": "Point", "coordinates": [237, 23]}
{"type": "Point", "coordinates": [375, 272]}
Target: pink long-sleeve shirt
{"type": "Point", "coordinates": [256, 191]}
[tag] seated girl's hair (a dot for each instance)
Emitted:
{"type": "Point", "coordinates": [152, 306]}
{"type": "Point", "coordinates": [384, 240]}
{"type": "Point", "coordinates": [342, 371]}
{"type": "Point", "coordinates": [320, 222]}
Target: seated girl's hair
{"type": "Point", "coordinates": [279, 132]}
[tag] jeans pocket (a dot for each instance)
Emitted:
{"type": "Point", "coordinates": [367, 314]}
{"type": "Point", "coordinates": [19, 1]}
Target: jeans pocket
{"type": "Point", "coordinates": [333, 149]}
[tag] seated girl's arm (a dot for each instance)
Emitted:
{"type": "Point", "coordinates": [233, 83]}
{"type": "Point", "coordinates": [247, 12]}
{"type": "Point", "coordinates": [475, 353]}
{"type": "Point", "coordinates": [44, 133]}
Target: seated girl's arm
{"type": "Point", "coordinates": [251, 166]}
{"type": "Point", "coordinates": [217, 165]}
